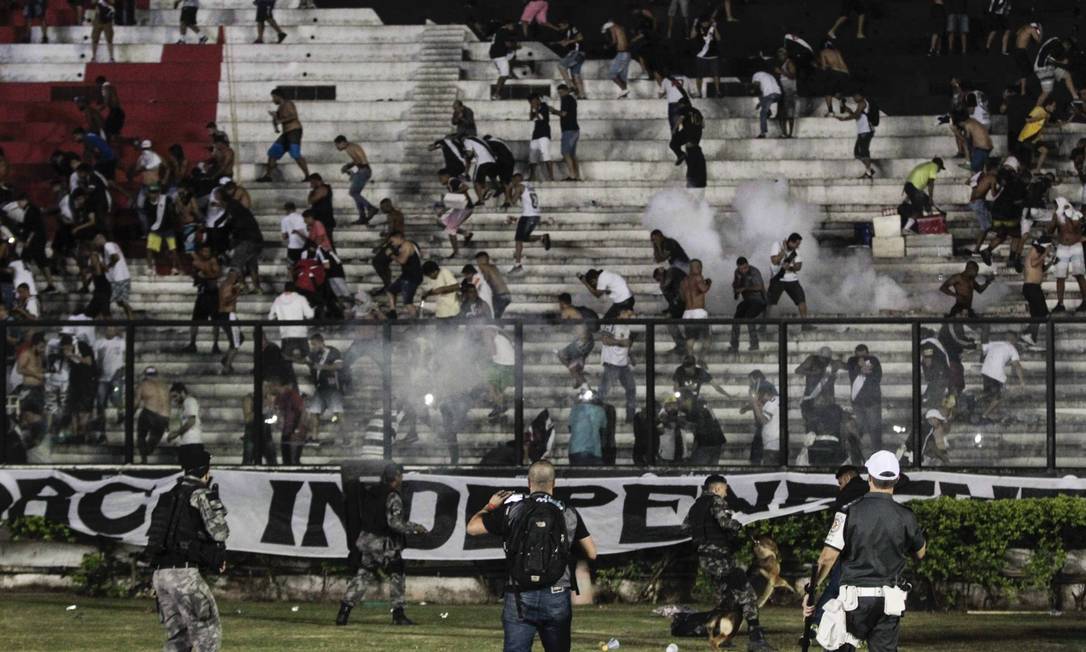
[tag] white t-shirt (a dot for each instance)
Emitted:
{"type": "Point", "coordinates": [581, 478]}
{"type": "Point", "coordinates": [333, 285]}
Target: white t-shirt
{"type": "Point", "coordinates": [671, 90]}
{"type": "Point", "coordinates": [997, 355]}
{"type": "Point", "coordinates": [148, 160]}
{"type": "Point", "coordinates": [85, 333]}
{"type": "Point", "coordinates": [615, 285]}
{"type": "Point", "coordinates": [863, 123]}
{"type": "Point", "coordinates": [118, 272]}
{"type": "Point", "coordinates": [194, 435]}
{"type": "Point", "coordinates": [504, 354]}
{"type": "Point", "coordinates": [110, 356]}
{"type": "Point", "coordinates": [484, 289]}
{"type": "Point", "coordinates": [788, 276]}
{"type": "Point", "coordinates": [33, 307]}
{"type": "Point", "coordinates": [288, 225]}
{"type": "Point", "coordinates": [771, 430]}
{"type": "Point", "coordinates": [529, 200]}
{"type": "Point", "coordinates": [290, 307]}
{"type": "Point", "coordinates": [618, 356]}
{"type": "Point", "coordinates": [444, 305]}
{"type": "Point", "coordinates": [20, 275]}
{"type": "Point", "coordinates": [767, 83]}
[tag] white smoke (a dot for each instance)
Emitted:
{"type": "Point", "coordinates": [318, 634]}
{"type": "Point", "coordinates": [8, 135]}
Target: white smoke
{"type": "Point", "coordinates": [835, 282]}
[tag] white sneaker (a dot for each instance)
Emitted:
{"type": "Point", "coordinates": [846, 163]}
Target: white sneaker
{"type": "Point", "coordinates": [1026, 338]}
{"type": "Point", "coordinates": [624, 94]}
{"type": "Point", "coordinates": [516, 269]}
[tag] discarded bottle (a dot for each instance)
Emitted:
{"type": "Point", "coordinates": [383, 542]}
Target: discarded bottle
{"type": "Point", "coordinates": [613, 644]}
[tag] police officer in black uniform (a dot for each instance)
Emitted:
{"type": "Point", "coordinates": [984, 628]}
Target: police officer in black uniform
{"type": "Point", "coordinates": [874, 536]}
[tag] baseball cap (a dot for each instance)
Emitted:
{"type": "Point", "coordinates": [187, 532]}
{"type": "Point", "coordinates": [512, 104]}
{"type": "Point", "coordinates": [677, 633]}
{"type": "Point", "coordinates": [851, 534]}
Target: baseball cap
{"type": "Point", "coordinates": [194, 458]}
{"type": "Point", "coordinates": [939, 162]}
{"type": "Point", "coordinates": [606, 26]}
{"type": "Point", "coordinates": [150, 371]}
{"type": "Point", "coordinates": [224, 180]}
{"type": "Point", "coordinates": [883, 465]}
{"type": "Point", "coordinates": [146, 144]}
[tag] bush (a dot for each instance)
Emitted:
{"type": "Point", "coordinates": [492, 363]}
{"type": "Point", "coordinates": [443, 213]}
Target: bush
{"type": "Point", "coordinates": [101, 575]}
{"type": "Point", "coordinates": [39, 528]}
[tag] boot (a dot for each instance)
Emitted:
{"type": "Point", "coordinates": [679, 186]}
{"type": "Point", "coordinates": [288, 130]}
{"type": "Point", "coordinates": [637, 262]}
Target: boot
{"type": "Point", "coordinates": [757, 641]}
{"type": "Point", "coordinates": [399, 618]}
{"type": "Point", "coordinates": [344, 614]}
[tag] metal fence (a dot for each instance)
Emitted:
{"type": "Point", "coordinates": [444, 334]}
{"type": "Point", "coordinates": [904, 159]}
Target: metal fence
{"type": "Point", "coordinates": [452, 393]}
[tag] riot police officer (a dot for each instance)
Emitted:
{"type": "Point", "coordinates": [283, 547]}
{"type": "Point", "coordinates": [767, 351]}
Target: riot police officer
{"type": "Point", "coordinates": [710, 523]}
{"type": "Point", "coordinates": [874, 536]}
{"type": "Point", "coordinates": [188, 531]}
{"type": "Point", "coordinates": [380, 544]}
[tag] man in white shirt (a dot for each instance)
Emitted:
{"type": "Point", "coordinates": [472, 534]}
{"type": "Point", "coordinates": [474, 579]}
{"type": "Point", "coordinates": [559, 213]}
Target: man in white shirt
{"type": "Point", "coordinates": [864, 131]}
{"type": "Point", "coordinates": [615, 356]}
{"type": "Point", "coordinates": [997, 355]}
{"type": "Point", "coordinates": [20, 275]}
{"type": "Point", "coordinates": [147, 168]}
{"type": "Point", "coordinates": [601, 282]}
{"type": "Point", "coordinates": [291, 306]}
{"type": "Point", "coordinates": [769, 93]}
{"type": "Point", "coordinates": [120, 281]}
{"type": "Point", "coordinates": [672, 89]}
{"type": "Point", "coordinates": [784, 265]}
{"type": "Point", "coordinates": [187, 409]}
{"type": "Point", "coordinates": [109, 355]}
{"type": "Point", "coordinates": [291, 227]}
{"type": "Point", "coordinates": [531, 214]}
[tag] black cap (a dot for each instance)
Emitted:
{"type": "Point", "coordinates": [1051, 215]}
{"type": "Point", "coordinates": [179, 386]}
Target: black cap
{"type": "Point", "coordinates": [714, 479]}
{"type": "Point", "coordinates": [195, 460]}
{"type": "Point", "coordinates": [938, 162]}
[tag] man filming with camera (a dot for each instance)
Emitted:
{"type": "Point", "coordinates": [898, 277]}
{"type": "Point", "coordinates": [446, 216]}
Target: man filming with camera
{"type": "Point", "coordinates": [785, 263]}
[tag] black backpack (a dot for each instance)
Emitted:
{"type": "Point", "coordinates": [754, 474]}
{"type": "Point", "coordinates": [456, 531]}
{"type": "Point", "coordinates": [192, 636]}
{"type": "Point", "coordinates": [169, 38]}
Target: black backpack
{"type": "Point", "coordinates": [538, 552]}
{"type": "Point", "coordinates": [872, 113]}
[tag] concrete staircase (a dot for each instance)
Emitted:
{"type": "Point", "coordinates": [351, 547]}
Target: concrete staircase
{"type": "Point", "coordinates": [394, 89]}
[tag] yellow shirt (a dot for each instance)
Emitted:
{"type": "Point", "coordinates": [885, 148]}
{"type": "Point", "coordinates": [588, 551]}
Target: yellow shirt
{"type": "Point", "coordinates": [443, 305]}
{"type": "Point", "coordinates": [1034, 124]}
{"type": "Point", "coordinates": [922, 174]}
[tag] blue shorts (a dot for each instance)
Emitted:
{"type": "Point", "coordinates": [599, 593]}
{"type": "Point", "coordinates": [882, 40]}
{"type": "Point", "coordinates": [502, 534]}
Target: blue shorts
{"type": "Point", "coordinates": [977, 158]}
{"type": "Point", "coordinates": [569, 142]}
{"type": "Point", "coordinates": [404, 288]}
{"type": "Point", "coordinates": [620, 66]}
{"type": "Point", "coordinates": [290, 141]}
{"type": "Point", "coordinates": [573, 62]}
{"type": "Point", "coordinates": [983, 213]}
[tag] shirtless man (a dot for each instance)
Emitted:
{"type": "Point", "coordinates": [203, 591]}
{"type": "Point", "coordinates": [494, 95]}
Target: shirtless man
{"type": "Point", "coordinates": [148, 168]}
{"type": "Point", "coordinates": [979, 141]}
{"type": "Point", "coordinates": [31, 366]}
{"type": "Point", "coordinates": [289, 141]}
{"type": "Point", "coordinates": [405, 253]}
{"type": "Point", "coordinates": [1023, 39]}
{"type": "Point", "coordinates": [500, 289]}
{"type": "Point", "coordinates": [153, 401]}
{"type": "Point", "coordinates": [222, 158]}
{"type": "Point", "coordinates": [615, 34]}
{"type": "Point", "coordinates": [1033, 275]}
{"type": "Point", "coordinates": [835, 71]}
{"type": "Point", "coordinates": [229, 291]}
{"type": "Point", "coordinates": [1067, 230]}
{"type": "Point", "coordinates": [693, 289]}
{"type": "Point", "coordinates": [358, 169]}
{"type": "Point", "coordinates": [961, 286]}
{"type": "Point", "coordinates": [984, 187]}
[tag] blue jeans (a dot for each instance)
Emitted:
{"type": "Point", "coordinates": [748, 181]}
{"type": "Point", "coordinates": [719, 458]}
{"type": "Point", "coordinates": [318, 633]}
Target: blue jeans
{"type": "Point", "coordinates": [358, 182]}
{"type": "Point", "coordinates": [548, 614]}
{"type": "Point", "coordinates": [763, 110]}
{"type": "Point", "coordinates": [625, 377]}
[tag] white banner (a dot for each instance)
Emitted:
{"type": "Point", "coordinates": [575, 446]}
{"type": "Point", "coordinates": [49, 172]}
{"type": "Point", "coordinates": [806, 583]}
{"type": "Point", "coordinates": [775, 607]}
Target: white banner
{"type": "Point", "coordinates": [306, 514]}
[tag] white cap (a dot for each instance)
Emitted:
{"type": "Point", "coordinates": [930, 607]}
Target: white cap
{"type": "Point", "coordinates": [606, 26]}
{"type": "Point", "coordinates": [146, 144]}
{"type": "Point", "coordinates": [935, 414]}
{"type": "Point", "coordinates": [883, 465]}
{"type": "Point", "coordinates": [224, 180]}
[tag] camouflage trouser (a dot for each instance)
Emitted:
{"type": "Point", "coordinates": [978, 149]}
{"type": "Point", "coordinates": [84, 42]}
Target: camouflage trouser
{"type": "Point", "coordinates": [729, 582]}
{"type": "Point", "coordinates": [377, 554]}
{"type": "Point", "coordinates": [187, 610]}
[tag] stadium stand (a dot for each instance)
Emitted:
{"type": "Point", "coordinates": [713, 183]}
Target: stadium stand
{"type": "Point", "coordinates": [394, 85]}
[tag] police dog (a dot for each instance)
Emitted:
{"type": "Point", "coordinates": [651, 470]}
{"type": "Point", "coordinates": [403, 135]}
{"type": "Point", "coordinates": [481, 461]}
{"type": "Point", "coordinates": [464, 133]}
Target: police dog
{"type": "Point", "coordinates": [765, 573]}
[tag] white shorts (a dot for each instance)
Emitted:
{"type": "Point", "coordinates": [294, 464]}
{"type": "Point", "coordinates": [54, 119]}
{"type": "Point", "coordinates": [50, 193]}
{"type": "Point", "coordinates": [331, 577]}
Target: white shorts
{"type": "Point", "coordinates": [1069, 259]}
{"type": "Point", "coordinates": [502, 64]}
{"type": "Point", "coordinates": [696, 313]}
{"type": "Point", "coordinates": [539, 150]}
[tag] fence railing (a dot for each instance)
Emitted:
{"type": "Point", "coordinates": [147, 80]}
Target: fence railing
{"type": "Point", "coordinates": [942, 393]}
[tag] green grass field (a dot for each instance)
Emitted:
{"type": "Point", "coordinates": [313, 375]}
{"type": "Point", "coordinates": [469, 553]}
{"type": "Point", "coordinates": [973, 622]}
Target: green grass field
{"type": "Point", "coordinates": [40, 621]}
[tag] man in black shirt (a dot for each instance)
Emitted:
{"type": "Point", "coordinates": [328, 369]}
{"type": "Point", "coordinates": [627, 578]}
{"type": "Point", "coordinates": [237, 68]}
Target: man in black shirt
{"type": "Point", "coordinates": [669, 279]}
{"type": "Point", "coordinates": [669, 250]}
{"type": "Point", "coordinates": [544, 610]}
{"type": "Point", "coordinates": [865, 377]}
{"type": "Point", "coordinates": [502, 50]}
{"type": "Point", "coordinates": [539, 148]}
{"type": "Point", "coordinates": [688, 129]}
{"type": "Point", "coordinates": [573, 56]}
{"type": "Point", "coordinates": [697, 176]}
{"type": "Point", "coordinates": [749, 288]}
{"type": "Point", "coordinates": [874, 537]}
{"type": "Point", "coordinates": [246, 239]}
{"type": "Point", "coordinates": [571, 133]}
